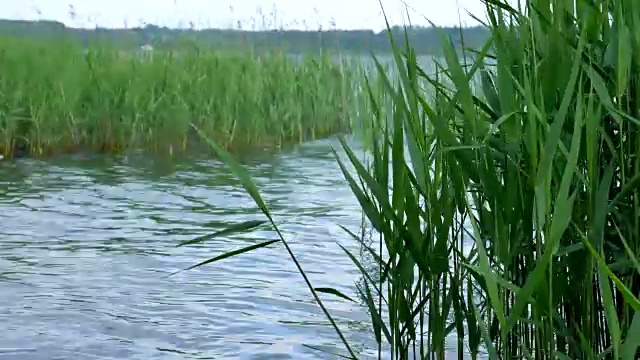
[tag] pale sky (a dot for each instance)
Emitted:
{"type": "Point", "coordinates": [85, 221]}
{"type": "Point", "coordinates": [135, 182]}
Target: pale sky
{"type": "Point", "coordinates": [301, 14]}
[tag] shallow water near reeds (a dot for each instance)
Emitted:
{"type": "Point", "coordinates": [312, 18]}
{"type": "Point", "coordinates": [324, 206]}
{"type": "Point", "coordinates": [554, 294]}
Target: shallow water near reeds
{"type": "Point", "coordinates": [87, 243]}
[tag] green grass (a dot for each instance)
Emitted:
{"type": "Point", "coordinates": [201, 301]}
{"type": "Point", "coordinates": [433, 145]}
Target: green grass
{"type": "Point", "coordinates": [62, 98]}
{"type": "Point", "coordinates": [503, 191]}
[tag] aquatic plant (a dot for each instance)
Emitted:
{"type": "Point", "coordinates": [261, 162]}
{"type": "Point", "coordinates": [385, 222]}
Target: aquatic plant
{"type": "Point", "coordinates": [58, 96]}
{"type": "Point", "coordinates": [503, 191]}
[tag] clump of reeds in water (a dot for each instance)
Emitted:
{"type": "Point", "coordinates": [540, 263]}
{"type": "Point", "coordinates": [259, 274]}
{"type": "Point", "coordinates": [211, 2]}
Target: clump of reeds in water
{"type": "Point", "coordinates": [509, 217]}
{"type": "Point", "coordinates": [58, 96]}
{"type": "Point", "coordinates": [504, 192]}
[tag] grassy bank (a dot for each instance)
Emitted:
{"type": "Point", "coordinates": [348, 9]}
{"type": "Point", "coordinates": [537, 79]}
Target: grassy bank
{"type": "Point", "coordinates": [56, 96]}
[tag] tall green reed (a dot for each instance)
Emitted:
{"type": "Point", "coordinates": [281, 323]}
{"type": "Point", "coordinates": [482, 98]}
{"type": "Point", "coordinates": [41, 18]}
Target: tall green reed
{"type": "Point", "coordinates": [61, 97]}
{"type": "Point", "coordinates": [503, 191]}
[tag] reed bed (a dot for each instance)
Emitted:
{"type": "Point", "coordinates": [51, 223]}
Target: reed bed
{"type": "Point", "coordinates": [58, 96]}
{"type": "Point", "coordinates": [503, 192]}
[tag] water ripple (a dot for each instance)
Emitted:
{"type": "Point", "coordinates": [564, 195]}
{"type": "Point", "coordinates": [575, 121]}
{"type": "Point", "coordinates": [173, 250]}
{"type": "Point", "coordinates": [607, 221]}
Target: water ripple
{"type": "Point", "coordinates": [87, 243]}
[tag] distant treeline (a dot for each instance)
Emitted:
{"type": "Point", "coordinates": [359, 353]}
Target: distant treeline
{"type": "Point", "coordinates": [425, 40]}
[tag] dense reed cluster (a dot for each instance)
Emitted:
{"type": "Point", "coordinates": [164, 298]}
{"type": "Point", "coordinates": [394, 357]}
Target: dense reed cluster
{"type": "Point", "coordinates": [503, 191]}
{"type": "Point", "coordinates": [513, 223]}
{"type": "Point", "coordinates": [59, 96]}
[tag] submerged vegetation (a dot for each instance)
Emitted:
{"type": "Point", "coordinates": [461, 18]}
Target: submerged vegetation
{"type": "Point", "coordinates": [506, 214]}
{"type": "Point", "coordinates": [58, 96]}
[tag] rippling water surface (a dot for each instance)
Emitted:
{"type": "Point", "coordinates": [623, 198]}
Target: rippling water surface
{"type": "Point", "coordinates": [86, 244]}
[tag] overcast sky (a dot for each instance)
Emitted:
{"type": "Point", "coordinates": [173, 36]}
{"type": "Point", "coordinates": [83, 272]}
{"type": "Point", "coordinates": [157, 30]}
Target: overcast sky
{"type": "Point", "coordinates": [345, 14]}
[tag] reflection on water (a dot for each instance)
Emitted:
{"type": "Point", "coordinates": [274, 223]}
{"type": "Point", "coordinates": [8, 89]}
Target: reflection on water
{"type": "Point", "coordinates": [87, 242]}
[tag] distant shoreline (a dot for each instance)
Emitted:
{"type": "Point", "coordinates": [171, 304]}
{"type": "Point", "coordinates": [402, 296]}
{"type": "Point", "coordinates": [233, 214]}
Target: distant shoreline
{"type": "Point", "coordinates": [424, 40]}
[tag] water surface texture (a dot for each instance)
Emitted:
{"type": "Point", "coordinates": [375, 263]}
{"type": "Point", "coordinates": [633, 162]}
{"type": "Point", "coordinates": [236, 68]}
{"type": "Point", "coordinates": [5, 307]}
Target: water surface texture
{"type": "Point", "coordinates": [86, 244]}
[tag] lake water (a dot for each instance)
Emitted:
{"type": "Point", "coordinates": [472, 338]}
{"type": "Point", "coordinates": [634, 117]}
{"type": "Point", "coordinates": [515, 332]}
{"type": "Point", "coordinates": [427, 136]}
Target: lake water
{"type": "Point", "coordinates": [86, 244]}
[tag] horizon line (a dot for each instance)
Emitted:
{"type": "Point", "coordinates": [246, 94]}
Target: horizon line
{"type": "Point", "coordinates": [230, 28]}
